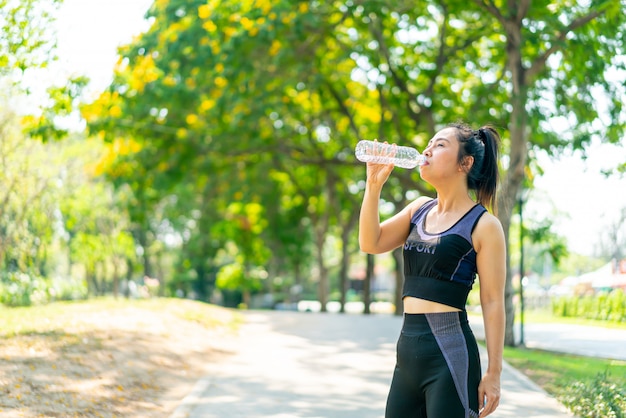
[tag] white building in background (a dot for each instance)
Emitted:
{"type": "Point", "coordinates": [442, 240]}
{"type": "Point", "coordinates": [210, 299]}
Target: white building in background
{"type": "Point", "coordinates": [608, 277]}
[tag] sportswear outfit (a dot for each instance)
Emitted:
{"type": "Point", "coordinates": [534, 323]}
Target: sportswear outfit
{"type": "Point", "coordinates": [437, 369]}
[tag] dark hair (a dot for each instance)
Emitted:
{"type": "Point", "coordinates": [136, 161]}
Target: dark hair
{"type": "Point", "coordinates": [481, 144]}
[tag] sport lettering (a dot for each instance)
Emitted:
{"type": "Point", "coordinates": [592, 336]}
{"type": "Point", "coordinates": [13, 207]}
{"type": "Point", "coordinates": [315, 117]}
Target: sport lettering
{"type": "Point", "coordinates": [420, 247]}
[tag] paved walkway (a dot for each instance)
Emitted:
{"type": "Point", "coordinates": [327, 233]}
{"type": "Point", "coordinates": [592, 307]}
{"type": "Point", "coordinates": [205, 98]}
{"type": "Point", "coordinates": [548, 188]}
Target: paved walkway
{"type": "Point", "coordinates": [305, 365]}
{"type": "Point", "coordinates": [568, 338]}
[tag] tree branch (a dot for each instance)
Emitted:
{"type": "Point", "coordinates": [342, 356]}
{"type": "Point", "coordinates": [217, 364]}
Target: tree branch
{"type": "Point", "coordinates": [342, 107]}
{"type": "Point", "coordinates": [522, 9]}
{"type": "Point", "coordinates": [540, 63]}
{"type": "Point", "coordinates": [400, 83]}
{"type": "Point", "coordinates": [493, 10]}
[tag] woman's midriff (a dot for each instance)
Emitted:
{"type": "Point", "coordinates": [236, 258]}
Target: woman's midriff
{"type": "Point", "coordinates": [421, 306]}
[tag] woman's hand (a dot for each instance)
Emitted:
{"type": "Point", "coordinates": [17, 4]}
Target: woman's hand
{"type": "Point", "coordinates": [488, 394]}
{"type": "Point", "coordinates": [377, 174]}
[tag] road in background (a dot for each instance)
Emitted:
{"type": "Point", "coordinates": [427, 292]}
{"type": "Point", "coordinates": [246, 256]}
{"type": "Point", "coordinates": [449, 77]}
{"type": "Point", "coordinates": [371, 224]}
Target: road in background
{"type": "Point", "coordinates": [568, 338]}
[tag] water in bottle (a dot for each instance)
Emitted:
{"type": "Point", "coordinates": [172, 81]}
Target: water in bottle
{"type": "Point", "coordinates": [381, 153]}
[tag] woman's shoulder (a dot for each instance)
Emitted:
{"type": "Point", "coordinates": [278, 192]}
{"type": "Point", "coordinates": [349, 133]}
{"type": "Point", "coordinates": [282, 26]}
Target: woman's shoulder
{"type": "Point", "coordinates": [489, 228]}
{"type": "Point", "coordinates": [415, 205]}
{"type": "Point", "coordinates": [488, 222]}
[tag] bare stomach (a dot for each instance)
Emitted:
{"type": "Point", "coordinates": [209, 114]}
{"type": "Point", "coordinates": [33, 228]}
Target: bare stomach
{"type": "Point", "coordinates": [420, 306]}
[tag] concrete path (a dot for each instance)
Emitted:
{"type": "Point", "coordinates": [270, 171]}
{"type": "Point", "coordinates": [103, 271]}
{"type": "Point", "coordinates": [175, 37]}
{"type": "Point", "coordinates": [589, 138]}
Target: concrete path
{"type": "Point", "coordinates": [306, 365]}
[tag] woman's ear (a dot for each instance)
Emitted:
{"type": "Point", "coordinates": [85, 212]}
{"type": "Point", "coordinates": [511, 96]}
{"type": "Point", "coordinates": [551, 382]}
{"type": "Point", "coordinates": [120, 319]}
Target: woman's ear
{"type": "Point", "coordinates": [467, 163]}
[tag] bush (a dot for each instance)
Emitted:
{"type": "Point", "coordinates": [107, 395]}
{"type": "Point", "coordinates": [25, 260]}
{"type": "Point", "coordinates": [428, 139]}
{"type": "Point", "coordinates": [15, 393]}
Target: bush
{"type": "Point", "coordinates": [604, 306]}
{"type": "Point", "coordinates": [68, 289]}
{"type": "Point", "coordinates": [617, 305]}
{"type": "Point", "coordinates": [22, 289]}
{"type": "Point", "coordinates": [599, 398]}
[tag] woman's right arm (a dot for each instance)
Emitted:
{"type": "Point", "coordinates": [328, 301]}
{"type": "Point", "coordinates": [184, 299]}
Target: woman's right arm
{"type": "Point", "coordinates": [374, 237]}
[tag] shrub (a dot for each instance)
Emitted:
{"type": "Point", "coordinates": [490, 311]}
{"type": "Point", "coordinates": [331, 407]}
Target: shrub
{"type": "Point", "coordinates": [600, 398]}
{"type": "Point", "coordinates": [68, 289]}
{"type": "Point", "coordinates": [22, 289]}
{"type": "Point", "coordinates": [604, 306]}
{"type": "Point", "coordinates": [617, 305]}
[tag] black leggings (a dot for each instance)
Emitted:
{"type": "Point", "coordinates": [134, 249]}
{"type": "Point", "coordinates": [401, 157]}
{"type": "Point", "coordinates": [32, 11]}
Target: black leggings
{"type": "Point", "coordinates": [437, 368]}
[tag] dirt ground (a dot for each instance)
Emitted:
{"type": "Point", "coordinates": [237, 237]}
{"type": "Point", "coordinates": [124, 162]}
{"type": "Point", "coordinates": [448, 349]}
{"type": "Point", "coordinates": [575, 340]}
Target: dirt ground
{"type": "Point", "coordinates": [126, 361]}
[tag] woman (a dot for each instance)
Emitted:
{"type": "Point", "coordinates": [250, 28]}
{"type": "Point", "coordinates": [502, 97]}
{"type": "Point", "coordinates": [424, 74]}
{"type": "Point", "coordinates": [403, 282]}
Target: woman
{"type": "Point", "coordinates": [447, 241]}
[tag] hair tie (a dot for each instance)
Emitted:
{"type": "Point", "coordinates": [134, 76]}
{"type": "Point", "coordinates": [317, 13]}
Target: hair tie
{"type": "Point", "coordinates": [480, 135]}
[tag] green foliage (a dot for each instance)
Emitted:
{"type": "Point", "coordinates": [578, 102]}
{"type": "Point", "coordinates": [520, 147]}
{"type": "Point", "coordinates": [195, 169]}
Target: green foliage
{"type": "Point", "coordinates": [600, 397]}
{"type": "Point", "coordinates": [21, 289]}
{"type": "Point", "coordinates": [27, 173]}
{"type": "Point", "coordinates": [27, 47]}
{"type": "Point", "coordinates": [233, 277]}
{"type": "Point", "coordinates": [68, 289]}
{"type": "Point", "coordinates": [56, 219]}
{"type": "Point", "coordinates": [26, 41]}
{"type": "Point", "coordinates": [605, 306]}
{"type": "Point", "coordinates": [60, 104]}
{"type": "Point", "coordinates": [222, 107]}
{"type": "Point", "coordinates": [589, 387]}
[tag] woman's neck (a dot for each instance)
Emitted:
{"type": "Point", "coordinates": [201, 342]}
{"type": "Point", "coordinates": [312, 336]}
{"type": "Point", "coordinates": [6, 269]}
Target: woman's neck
{"type": "Point", "coordinates": [453, 200]}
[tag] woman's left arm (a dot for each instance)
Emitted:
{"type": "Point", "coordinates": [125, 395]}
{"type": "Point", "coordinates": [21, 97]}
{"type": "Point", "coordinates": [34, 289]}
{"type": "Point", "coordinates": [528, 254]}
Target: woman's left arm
{"type": "Point", "coordinates": [491, 264]}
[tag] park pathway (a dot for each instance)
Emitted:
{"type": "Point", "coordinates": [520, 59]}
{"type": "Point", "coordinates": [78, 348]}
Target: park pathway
{"type": "Point", "coordinates": [322, 365]}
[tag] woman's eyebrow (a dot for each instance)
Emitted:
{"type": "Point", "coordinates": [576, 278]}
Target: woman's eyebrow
{"type": "Point", "coordinates": [438, 139]}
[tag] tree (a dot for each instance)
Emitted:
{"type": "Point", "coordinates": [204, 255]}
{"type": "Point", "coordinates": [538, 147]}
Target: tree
{"type": "Point", "coordinates": [27, 48]}
{"type": "Point", "coordinates": [27, 204]}
{"type": "Point", "coordinates": [554, 54]}
{"type": "Point", "coordinates": [296, 84]}
{"type": "Point", "coordinates": [26, 42]}
{"type": "Point", "coordinates": [97, 231]}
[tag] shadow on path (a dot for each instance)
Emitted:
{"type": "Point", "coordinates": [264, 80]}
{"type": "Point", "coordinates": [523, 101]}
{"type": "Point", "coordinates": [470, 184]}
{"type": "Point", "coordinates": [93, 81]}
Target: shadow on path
{"type": "Point", "coordinates": [291, 364]}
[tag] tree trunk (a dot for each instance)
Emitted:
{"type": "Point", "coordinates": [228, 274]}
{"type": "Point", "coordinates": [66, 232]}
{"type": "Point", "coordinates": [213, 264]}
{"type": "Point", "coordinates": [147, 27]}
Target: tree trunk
{"type": "Point", "coordinates": [143, 241]}
{"type": "Point", "coordinates": [322, 285]}
{"type": "Point", "coordinates": [399, 274]}
{"type": "Point", "coordinates": [346, 232]}
{"type": "Point", "coordinates": [369, 273]}
{"type": "Point", "coordinates": [518, 156]}
{"type": "Point", "coordinates": [509, 291]}
{"type": "Point", "coordinates": [322, 289]}
{"type": "Point", "coordinates": [294, 296]}
{"type": "Point", "coordinates": [116, 279]}
{"type": "Point", "coordinates": [343, 271]}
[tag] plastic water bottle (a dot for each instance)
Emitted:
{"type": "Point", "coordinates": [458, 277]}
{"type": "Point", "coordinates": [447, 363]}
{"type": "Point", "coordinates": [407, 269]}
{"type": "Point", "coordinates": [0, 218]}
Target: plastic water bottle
{"type": "Point", "coordinates": [381, 153]}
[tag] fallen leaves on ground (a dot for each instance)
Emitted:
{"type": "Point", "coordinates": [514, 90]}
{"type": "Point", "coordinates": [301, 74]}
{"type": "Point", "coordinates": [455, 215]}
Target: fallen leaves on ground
{"type": "Point", "coordinates": [125, 360]}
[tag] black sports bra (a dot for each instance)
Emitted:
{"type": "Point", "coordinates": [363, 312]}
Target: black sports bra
{"type": "Point", "coordinates": [441, 267]}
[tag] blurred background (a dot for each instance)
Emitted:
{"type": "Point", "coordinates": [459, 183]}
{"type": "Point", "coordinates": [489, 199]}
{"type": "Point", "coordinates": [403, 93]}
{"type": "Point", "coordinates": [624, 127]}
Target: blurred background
{"type": "Point", "coordinates": [204, 149]}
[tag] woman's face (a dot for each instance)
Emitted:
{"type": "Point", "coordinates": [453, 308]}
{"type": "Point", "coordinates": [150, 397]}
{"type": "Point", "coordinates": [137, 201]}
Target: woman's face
{"type": "Point", "coordinates": [442, 155]}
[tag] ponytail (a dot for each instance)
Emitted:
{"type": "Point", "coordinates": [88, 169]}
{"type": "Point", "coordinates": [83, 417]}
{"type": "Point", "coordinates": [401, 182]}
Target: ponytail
{"type": "Point", "coordinates": [481, 144]}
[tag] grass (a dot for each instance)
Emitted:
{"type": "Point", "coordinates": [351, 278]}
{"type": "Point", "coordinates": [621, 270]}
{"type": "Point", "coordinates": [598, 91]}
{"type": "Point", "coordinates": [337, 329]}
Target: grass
{"type": "Point", "coordinates": [554, 371]}
{"type": "Point", "coordinates": [581, 383]}
{"type": "Point", "coordinates": [588, 387]}
{"type": "Point", "coordinates": [545, 315]}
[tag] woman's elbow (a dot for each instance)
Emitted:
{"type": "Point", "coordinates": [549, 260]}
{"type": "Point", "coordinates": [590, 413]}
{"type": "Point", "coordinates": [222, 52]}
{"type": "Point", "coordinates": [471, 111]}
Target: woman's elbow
{"type": "Point", "coordinates": [368, 247]}
{"type": "Point", "coordinates": [365, 248]}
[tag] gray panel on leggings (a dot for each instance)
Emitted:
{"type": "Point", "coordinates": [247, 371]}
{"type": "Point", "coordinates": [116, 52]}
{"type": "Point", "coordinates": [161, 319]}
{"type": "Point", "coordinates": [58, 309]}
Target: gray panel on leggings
{"type": "Point", "coordinates": [449, 335]}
